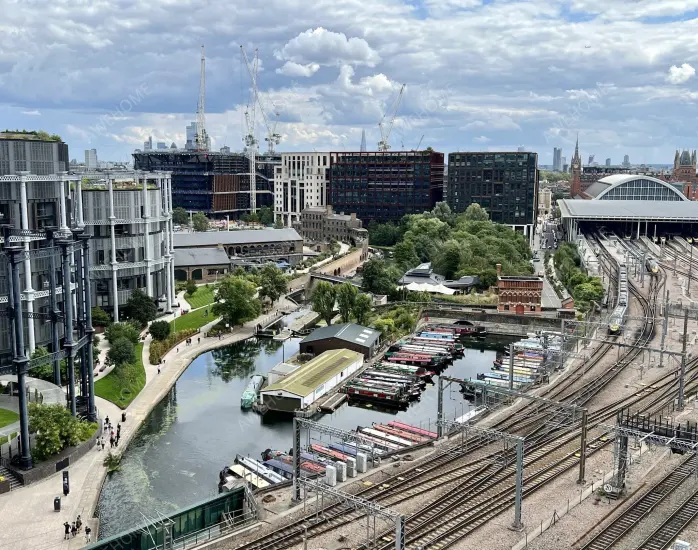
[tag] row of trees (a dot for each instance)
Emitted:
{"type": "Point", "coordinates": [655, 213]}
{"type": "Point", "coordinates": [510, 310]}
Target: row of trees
{"type": "Point", "coordinates": [200, 222]}
{"type": "Point", "coordinates": [583, 288]}
{"type": "Point", "coordinates": [345, 299]}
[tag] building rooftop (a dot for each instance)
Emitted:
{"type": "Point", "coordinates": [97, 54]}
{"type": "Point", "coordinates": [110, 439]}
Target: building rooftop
{"type": "Point", "coordinates": [629, 210]}
{"type": "Point", "coordinates": [188, 257]}
{"type": "Point", "coordinates": [519, 278]}
{"type": "Point", "coordinates": [29, 136]}
{"type": "Point", "coordinates": [245, 236]}
{"type": "Point", "coordinates": [424, 274]}
{"type": "Point", "coordinates": [306, 379]}
{"type": "Point", "coordinates": [349, 332]}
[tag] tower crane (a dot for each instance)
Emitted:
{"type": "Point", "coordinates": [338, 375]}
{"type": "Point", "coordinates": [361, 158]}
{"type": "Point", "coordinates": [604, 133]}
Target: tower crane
{"type": "Point", "coordinates": [384, 144]}
{"type": "Point", "coordinates": [273, 138]}
{"type": "Point", "coordinates": [250, 139]}
{"type": "Point", "coordinates": [201, 137]}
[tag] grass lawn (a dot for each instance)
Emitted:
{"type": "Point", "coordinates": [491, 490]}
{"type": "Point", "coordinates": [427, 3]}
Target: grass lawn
{"type": "Point", "coordinates": [194, 319]}
{"type": "Point", "coordinates": [4, 439]}
{"type": "Point", "coordinates": [110, 388]}
{"type": "Point", "coordinates": [7, 417]}
{"type": "Point", "coordinates": [202, 297]}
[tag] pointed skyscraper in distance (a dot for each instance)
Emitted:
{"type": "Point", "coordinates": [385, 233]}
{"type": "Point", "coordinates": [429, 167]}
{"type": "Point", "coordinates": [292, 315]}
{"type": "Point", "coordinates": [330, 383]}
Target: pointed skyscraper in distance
{"type": "Point", "coordinates": [363, 141]}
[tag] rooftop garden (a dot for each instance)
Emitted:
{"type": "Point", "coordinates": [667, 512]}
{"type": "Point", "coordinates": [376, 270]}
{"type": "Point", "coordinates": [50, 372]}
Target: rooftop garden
{"type": "Point", "coordinates": [38, 135]}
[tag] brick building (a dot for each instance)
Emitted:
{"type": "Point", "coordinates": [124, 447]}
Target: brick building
{"type": "Point", "coordinates": [519, 294]}
{"type": "Point", "coordinates": [319, 223]}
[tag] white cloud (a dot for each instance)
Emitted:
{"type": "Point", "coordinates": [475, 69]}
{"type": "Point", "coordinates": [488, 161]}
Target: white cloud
{"type": "Point", "coordinates": [482, 139]}
{"type": "Point", "coordinates": [679, 75]}
{"type": "Point", "coordinates": [33, 112]}
{"type": "Point", "coordinates": [296, 69]}
{"type": "Point", "coordinates": [328, 48]}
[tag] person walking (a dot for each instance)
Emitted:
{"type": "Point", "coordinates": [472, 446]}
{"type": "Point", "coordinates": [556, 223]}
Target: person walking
{"type": "Point", "coordinates": [88, 534]}
{"type": "Point", "coordinates": [118, 429]}
{"type": "Point", "coordinates": [103, 444]}
{"type": "Point", "coordinates": [198, 340]}
{"type": "Point", "coordinates": [73, 530]}
{"type": "Point", "coordinates": [111, 441]}
{"type": "Point", "coordinates": [66, 525]}
{"type": "Point", "coordinates": [158, 369]}
{"type": "Point", "coordinates": [99, 446]}
{"type": "Point", "coordinates": [78, 523]}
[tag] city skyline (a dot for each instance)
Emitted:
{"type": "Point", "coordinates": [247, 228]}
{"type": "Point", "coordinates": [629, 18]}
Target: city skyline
{"type": "Point", "coordinates": [331, 77]}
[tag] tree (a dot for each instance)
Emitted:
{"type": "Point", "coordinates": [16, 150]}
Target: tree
{"type": "Point", "coordinates": [362, 308]}
{"type": "Point", "coordinates": [405, 256]}
{"type": "Point", "coordinates": [383, 234]}
{"type": "Point", "coordinates": [386, 327]}
{"type": "Point", "coordinates": [100, 318]}
{"type": "Point", "coordinates": [55, 429]}
{"type": "Point", "coordinates": [443, 212]}
{"type": "Point", "coordinates": [272, 282]}
{"type": "Point", "coordinates": [190, 287]}
{"type": "Point", "coordinates": [448, 260]}
{"type": "Point", "coordinates": [346, 300]}
{"type": "Point", "coordinates": [160, 329]}
{"type": "Point", "coordinates": [266, 216]}
{"type": "Point", "coordinates": [122, 330]}
{"type": "Point", "coordinates": [236, 301]}
{"type": "Point", "coordinates": [279, 224]}
{"type": "Point", "coordinates": [476, 213]}
{"type": "Point", "coordinates": [323, 300]}
{"type": "Point", "coordinates": [180, 216]}
{"type": "Point", "coordinates": [252, 217]}
{"type": "Point", "coordinates": [45, 372]}
{"type": "Point", "coordinates": [200, 222]}
{"type": "Point", "coordinates": [140, 307]}
{"type": "Point", "coordinates": [120, 352]}
{"type": "Point", "coordinates": [377, 278]}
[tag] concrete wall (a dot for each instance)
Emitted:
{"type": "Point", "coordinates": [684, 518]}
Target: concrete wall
{"type": "Point", "coordinates": [345, 264]}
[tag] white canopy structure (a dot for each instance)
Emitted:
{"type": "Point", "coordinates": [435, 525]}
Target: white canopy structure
{"type": "Point", "coordinates": [434, 289]}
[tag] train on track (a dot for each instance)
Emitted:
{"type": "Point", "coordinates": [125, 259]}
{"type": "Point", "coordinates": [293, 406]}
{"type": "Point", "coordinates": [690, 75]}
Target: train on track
{"type": "Point", "coordinates": [652, 266]}
{"type": "Point", "coordinates": [618, 315]}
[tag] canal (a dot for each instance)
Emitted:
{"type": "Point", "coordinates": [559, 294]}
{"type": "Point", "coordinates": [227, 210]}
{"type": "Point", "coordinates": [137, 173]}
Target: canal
{"type": "Point", "coordinates": [198, 428]}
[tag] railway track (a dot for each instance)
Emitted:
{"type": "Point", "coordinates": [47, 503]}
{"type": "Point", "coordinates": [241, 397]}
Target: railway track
{"type": "Point", "coordinates": [640, 509]}
{"type": "Point", "coordinates": [666, 533]}
{"type": "Point", "coordinates": [486, 489]}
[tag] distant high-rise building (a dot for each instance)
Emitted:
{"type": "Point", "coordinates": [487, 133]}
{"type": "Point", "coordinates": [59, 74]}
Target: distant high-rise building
{"type": "Point", "coordinates": [521, 149]}
{"type": "Point", "coordinates": [557, 159]}
{"type": "Point", "coordinates": [363, 141]}
{"type": "Point", "coordinates": [608, 162]}
{"type": "Point", "coordinates": [191, 137]}
{"type": "Point", "coordinates": [300, 182]}
{"type": "Point", "coordinates": [565, 166]}
{"type": "Point", "coordinates": [626, 161]}
{"type": "Point", "coordinates": [148, 145]}
{"type": "Point", "coordinates": [90, 159]}
{"type": "Point", "coordinates": [162, 145]}
{"type": "Point", "coordinates": [591, 160]}
{"type": "Point", "coordinates": [225, 149]}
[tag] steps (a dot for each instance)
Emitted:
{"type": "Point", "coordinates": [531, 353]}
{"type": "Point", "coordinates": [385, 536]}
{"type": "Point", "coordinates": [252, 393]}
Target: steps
{"type": "Point", "coordinates": [7, 474]}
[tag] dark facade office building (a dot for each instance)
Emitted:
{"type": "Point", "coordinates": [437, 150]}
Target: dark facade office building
{"type": "Point", "coordinates": [504, 184]}
{"type": "Point", "coordinates": [384, 186]}
{"type": "Point", "coordinates": [215, 183]}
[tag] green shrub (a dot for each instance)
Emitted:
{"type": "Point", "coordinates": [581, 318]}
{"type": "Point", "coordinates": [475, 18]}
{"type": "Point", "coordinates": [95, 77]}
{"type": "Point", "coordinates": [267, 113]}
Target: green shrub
{"type": "Point", "coordinates": [56, 429]}
{"type": "Point", "coordinates": [158, 348]}
{"type": "Point", "coordinates": [160, 329]}
{"type": "Point", "coordinates": [123, 330]}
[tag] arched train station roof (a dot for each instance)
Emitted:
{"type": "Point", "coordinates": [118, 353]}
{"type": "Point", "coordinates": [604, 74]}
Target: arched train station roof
{"type": "Point", "coordinates": [630, 187]}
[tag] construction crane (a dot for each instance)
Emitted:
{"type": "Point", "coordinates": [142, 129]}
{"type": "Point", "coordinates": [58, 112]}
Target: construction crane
{"type": "Point", "coordinates": [272, 138]}
{"type": "Point", "coordinates": [201, 137]}
{"type": "Point", "coordinates": [250, 138]}
{"type": "Point", "coordinates": [384, 144]}
{"type": "Point", "coordinates": [420, 142]}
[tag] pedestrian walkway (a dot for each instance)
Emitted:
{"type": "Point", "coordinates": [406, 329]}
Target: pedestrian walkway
{"type": "Point", "coordinates": [29, 521]}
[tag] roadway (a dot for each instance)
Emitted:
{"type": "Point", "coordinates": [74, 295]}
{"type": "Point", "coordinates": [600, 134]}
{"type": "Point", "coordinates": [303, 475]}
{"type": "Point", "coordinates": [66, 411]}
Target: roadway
{"type": "Point", "coordinates": [549, 298]}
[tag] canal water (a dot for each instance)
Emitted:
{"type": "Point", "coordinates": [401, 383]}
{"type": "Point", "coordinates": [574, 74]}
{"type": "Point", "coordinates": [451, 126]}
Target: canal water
{"type": "Point", "coordinates": [199, 427]}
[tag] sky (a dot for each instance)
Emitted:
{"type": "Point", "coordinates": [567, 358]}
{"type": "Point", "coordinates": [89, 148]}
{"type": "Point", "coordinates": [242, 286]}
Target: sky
{"type": "Point", "coordinates": [478, 74]}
